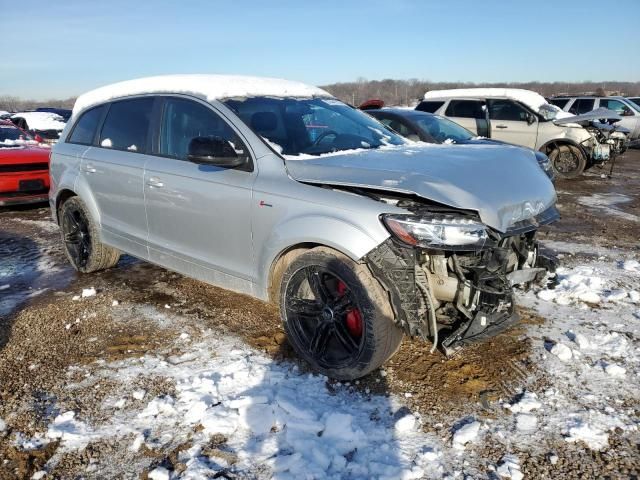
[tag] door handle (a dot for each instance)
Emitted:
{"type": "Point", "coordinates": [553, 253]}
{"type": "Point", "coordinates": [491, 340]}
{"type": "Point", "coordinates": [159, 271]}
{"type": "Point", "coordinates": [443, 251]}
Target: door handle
{"type": "Point", "coordinates": [89, 168]}
{"type": "Point", "coordinates": [154, 182]}
{"type": "Point", "coordinates": [501, 126]}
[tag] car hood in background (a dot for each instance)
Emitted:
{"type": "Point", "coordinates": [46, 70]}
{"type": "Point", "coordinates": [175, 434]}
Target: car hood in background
{"type": "Point", "coordinates": [503, 184]}
{"type": "Point", "coordinates": [593, 116]}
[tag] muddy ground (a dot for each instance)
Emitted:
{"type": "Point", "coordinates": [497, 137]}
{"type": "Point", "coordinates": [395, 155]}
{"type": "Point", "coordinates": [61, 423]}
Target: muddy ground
{"type": "Point", "coordinates": [44, 331]}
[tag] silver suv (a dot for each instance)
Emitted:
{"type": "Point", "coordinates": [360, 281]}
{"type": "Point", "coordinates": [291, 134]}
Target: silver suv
{"type": "Point", "coordinates": [277, 190]}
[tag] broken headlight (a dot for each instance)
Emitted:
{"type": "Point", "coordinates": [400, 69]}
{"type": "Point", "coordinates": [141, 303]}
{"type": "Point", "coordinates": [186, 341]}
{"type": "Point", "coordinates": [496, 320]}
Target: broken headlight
{"type": "Point", "coordinates": [438, 231]}
{"type": "Point", "coordinates": [545, 165]}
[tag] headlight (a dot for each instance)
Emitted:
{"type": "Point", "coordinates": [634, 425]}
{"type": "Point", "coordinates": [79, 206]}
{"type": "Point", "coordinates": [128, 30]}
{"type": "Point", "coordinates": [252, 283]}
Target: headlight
{"type": "Point", "coordinates": [446, 232]}
{"type": "Point", "coordinates": [545, 165]}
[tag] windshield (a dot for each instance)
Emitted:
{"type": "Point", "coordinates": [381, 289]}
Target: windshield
{"type": "Point", "coordinates": [442, 129]}
{"type": "Point", "coordinates": [312, 126]}
{"type": "Point", "coordinates": [11, 136]}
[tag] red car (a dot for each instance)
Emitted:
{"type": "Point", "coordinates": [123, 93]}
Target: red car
{"type": "Point", "coordinates": [24, 167]}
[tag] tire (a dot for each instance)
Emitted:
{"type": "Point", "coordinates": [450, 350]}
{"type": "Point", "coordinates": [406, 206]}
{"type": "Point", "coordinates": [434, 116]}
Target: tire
{"type": "Point", "coordinates": [80, 238]}
{"type": "Point", "coordinates": [342, 325]}
{"type": "Point", "coordinates": [568, 161]}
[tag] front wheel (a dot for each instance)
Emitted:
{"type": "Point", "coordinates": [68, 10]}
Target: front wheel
{"type": "Point", "coordinates": [337, 315]}
{"type": "Point", "coordinates": [81, 241]}
{"type": "Point", "coordinates": [568, 161]}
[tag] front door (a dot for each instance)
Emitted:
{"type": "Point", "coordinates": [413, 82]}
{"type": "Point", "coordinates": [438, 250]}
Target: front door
{"type": "Point", "coordinates": [199, 214]}
{"type": "Point", "coordinates": [511, 122]}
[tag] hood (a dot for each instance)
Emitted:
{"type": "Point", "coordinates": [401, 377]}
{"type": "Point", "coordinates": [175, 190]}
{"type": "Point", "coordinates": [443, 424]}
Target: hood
{"type": "Point", "coordinates": [24, 154]}
{"type": "Point", "coordinates": [586, 118]}
{"type": "Point", "coordinates": [504, 184]}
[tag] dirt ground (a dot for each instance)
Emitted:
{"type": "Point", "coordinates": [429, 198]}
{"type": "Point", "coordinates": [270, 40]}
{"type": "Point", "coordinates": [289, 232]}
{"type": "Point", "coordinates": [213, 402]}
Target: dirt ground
{"type": "Point", "coordinates": [44, 331]}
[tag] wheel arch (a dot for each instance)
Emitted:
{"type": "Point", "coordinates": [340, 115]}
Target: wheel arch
{"type": "Point", "coordinates": [284, 245]}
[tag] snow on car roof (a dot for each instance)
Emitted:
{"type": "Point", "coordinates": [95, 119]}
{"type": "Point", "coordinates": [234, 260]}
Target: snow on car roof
{"type": "Point", "coordinates": [208, 87]}
{"type": "Point", "coordinates": [533, 100]}
{"type": "Point", "coordinates": [41, 120]}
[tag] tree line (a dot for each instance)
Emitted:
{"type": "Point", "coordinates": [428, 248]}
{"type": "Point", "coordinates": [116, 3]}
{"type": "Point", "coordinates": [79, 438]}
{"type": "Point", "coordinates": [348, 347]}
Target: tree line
{"type": "Point", "coordinates": [409, 92]}
{"type": "Point", "coordinates": [393, 92]}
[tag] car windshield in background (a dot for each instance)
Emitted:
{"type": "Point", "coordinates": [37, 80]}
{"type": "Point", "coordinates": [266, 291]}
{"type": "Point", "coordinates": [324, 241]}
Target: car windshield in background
{"type": "Point", "coordinates": [312, 126]}
{"type": "Point", "coordinates": [443, 129]}
{"type": "Point", "coordinates": [11, 136]}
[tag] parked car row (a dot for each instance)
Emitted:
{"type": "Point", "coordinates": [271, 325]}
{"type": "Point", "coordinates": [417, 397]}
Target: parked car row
{"type": "Point", "coordinates": [278, 190]}
{"type": "Point", "coordinates": [525, 118]}
{"type": "Point", "coordinates": [45, 124]}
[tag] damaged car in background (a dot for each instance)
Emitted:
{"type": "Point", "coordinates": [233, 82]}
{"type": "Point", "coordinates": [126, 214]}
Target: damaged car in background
{"type": "Point", "coordinates": [278, 190]}
{"type": "Point", "coordinates": [525, 118]}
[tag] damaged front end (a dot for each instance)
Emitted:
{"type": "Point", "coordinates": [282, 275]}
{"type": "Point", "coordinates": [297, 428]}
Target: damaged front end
{"type": "Point", "coordinates": [450, 278]}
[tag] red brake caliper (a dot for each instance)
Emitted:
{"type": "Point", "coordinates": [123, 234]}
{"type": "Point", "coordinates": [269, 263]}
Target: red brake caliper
{"type": "Point", "coordinates": [354, 317]}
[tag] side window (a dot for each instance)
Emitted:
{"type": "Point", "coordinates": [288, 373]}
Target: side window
{"type": "Point", "coordinates": [466, 109]}
{"type": "Point", "coordinates": [582, 105]}
{"type": "Point", "coordinates": [559, 102]}
{"type": "Point", "coordinates": [85, 129]}
{"type": "Point", "coordinates": [127, 125]}
{"type": "Point", "coordinates": [185, 120]}
{"type": "Point", "coordinates": [507, 110]}
{"type": "Point", "coordinates": [615, 105]}
{"type": "Point", "coordinates": [397, 126]}
{"type": "Point", "coordinates": [429, 106]}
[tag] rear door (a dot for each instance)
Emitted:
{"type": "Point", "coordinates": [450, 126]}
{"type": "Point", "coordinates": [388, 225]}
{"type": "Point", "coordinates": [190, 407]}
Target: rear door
{"type": "Point", "coordinates": [471, 114]}
{"type": "Point", "coordinates": [114, 172]}
{"type": "Point", "coordinates": [511, 122]}
{"type": "Point", "coordinates": [199, 214]}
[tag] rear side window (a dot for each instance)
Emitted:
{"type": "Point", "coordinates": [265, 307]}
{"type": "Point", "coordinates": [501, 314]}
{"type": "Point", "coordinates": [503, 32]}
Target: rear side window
{"type": "Point", "coordinates": [582, 105]}
{"type": "Point", "coordinates": [506, 110]}
{"type": "Point", "coordinates": [127, 125]}
{"type": "Point", "coordinates": [465, 109]}
{"type": "Point", "coordinates": [85, 129]}
{"type": "Point", "coordinates": [559, 102]}
{"type": "Point", "coordinates": [429, 106]}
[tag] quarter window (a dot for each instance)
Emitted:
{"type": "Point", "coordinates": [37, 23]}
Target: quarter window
{"type": "Point", "coordinates": [127, 125]}
{"type": "Point", "coordinates": [85, 129]}
{"type": "Point", "coordinates": [466, 109]}
{"type": "Point", "coordinates": [185, 120]}
{"type": "Point", "coordinates": [559, 102]}
{"type": "Point", "coordinates": [429, 106]}
{"type": "Point", "coordinates": [582, 105]}
{"type": "Point", "coordinates": [507, 110]}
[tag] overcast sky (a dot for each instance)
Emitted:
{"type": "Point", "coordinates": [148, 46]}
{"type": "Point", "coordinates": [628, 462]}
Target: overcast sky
{"type": "Point", "coordinates": [56, 49]}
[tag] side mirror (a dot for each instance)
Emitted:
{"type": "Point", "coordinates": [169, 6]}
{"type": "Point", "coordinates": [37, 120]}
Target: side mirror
{"type": "Point", "coordinates": [530, 118]}
{"type": "Point", "coordinates": [214, 151]}
{"type": "Point", "coordinates": [38, 138]}
{"type": "Point", "coordinates": [626, 112]}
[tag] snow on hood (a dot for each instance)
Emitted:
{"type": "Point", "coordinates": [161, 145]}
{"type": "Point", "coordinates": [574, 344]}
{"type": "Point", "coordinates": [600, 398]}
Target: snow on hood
{"type": "Point", "coordinates": [533, 100]}
{"type": "Point", "coordinates": [208, 87]}
{"type": "Point", "coordinates": [41, 120]}
{"type": "Point", "coordinates": [504, 184]}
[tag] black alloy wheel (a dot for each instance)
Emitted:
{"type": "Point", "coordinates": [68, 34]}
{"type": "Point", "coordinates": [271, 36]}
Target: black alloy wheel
{"type": "Point", "coordinates": [324, 317]}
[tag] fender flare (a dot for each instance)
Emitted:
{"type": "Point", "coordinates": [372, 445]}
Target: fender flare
{"type": "Point", "coordinates": [82, 190]}
{"type": "Point", "coordinates": [565, 141]}
{"type": "Point", "coordinates": [317, 230]}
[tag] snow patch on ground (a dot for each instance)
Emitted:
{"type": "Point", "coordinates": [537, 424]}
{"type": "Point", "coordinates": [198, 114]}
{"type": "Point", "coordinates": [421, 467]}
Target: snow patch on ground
{"type": "Point", "coordinates": [272, 415]}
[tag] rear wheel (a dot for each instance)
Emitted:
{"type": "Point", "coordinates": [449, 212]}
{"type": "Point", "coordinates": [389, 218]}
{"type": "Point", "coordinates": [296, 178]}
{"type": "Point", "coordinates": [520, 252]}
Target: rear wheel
{"type": "Point", "coordinates": [80, 236]}
{"type": "Point", "coordinates": [336, 314]}
{"type": "Point", "coordinates": [568, 161]}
